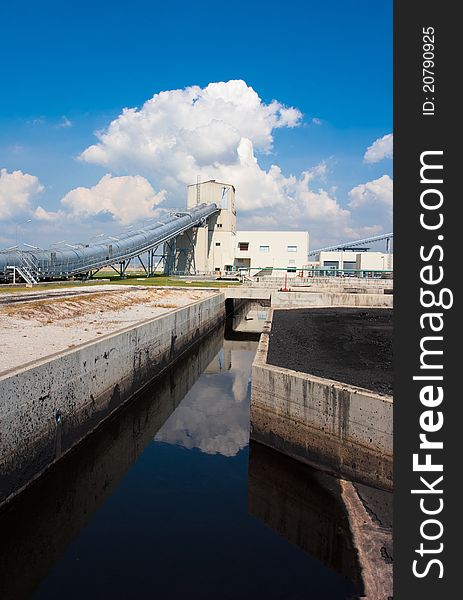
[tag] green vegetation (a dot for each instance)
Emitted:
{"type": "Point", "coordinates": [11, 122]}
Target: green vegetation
{"type": "Point", "coordinates": [132, 278]}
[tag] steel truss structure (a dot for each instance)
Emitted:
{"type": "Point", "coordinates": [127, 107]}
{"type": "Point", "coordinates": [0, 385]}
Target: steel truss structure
{"type": "Point", "coordinates": [115, 252]}
{"type": "Point", "coordinates": [349, 245]}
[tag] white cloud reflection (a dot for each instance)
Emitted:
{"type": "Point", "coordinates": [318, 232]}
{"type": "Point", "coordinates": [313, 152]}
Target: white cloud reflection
{"type": "Point", "coordinates": [214, 415]}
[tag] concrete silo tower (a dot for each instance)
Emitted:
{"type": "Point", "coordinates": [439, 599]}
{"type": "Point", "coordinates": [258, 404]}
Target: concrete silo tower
{"type": "Point", "coordinates": [209, 249]}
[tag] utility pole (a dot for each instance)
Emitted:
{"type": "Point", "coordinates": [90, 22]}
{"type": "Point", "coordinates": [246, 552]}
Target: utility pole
{"type": "Point", "coordinates": [19, 225]}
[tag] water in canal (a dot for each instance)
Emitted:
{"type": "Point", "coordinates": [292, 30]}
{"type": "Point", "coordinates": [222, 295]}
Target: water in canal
{"type": "Point", "coordinates": [168, 500]}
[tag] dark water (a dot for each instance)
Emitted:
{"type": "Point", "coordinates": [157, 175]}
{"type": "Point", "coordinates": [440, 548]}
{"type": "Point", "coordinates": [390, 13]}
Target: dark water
{"type": "Point", "coordinates": [168, 501]}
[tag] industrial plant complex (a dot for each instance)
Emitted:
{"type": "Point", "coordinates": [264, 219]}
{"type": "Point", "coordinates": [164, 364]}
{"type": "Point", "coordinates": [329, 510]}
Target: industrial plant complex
{"type": "Point", "coordinates": [253, 340]}
{"type": "Point", "coordinates": [202, 240]}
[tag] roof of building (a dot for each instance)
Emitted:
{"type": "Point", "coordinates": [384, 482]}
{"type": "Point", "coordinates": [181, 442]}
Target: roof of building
{"type": "Point", "coordinates": [270, 231]}
{"type": "Point", "coordinates": [212, 181]}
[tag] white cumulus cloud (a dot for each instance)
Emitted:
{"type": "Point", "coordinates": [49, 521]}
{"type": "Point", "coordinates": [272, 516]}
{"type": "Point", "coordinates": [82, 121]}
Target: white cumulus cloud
{"type": "Point", "coordinates": [213, 132]}
{"type": "Point", "coordinates": [374, 197]}
{"type": "Point", "coordinates": [177, 131]}
{"type": "Point", "coordinates": [17, 189]}
{"type": "Point", "coordinates": [217, 132]}
{"type": "Point", "coordinates": [126, 199]}
{"type": "Point", "coordinates": [380, 149]}
{"type": "Point", "coordinates": [47, 216]}
{"type": "Point", "coordinates": [220, 132]}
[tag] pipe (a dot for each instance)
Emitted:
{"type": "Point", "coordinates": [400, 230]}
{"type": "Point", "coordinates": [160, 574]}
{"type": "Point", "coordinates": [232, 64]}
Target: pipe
{"type": "Point", "coordinates": [87, 257]}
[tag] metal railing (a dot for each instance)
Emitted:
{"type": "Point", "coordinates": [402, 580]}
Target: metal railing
{"type": "Point", "coordinates": [304, 274]}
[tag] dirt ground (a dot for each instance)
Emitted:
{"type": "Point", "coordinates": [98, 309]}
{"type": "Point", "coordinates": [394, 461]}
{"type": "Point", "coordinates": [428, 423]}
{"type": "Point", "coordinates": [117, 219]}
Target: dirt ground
{"type": "Point", "coordinates": [344, 344]}
{"type": "Point", "coordinates": [43, 323]}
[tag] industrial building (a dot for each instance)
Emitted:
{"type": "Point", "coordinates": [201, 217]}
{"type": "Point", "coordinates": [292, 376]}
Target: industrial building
{"type": "Point", "coordinates": [218, 247]}
{"type": "Point", "coordinates": [352, 261]}
{"type": "Point", "coordinates": [202, 239]}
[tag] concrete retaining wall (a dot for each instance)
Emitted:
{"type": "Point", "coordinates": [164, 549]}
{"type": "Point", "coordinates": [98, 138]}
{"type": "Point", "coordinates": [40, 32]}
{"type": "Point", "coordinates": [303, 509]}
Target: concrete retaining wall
{"type": "Point", "coordinates": [37, 530]}
{"type": "Point", "coordinates": [247, 293]}
{"type": "Point", "coordinates": [49, 406]}
{"type": "Point", "coordinates": [303, 299]}
{"type": "Point", "coordinates": [241, 310]}
{"type": "Point", "coordinates": [307, 299]}
{"type": "Point", "coordinates": [331, 425]}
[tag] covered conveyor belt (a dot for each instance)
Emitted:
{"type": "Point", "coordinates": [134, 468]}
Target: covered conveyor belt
{"type": "Point", "coordinates": [34, 265]}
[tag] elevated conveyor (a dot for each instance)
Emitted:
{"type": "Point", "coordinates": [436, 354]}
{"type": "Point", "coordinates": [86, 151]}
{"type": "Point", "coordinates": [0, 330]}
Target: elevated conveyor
{"type": "Point", "coordinates": [349, 245]}
{"type": "Point", "coordinates": [36, 265]}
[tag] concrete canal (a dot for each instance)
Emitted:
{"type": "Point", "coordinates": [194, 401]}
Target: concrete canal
{"type": "Point", "coordinates": [167, 499]}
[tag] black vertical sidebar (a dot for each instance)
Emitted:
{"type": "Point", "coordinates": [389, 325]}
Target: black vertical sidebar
{"type": "Point", "coordinates": [434, 128]}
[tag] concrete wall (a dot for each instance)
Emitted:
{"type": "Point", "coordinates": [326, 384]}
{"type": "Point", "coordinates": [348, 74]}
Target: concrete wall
{"type": "Point", "coordinates": [49, 406]}
{"type": "Point", "coordinates": [331, 425]}
{"type": "Point", "coordinates": [248, 293]}
{"type": "Point", "coordinates": [39, 526]}
{"type": "Point", "coordinates": [348, 259]}
{"type": "Point", "coordinates": [307, 299]}
{"type": "Point", "coordinates": [238, 312]}
{"type": "Point", "coordinates": [374, 261]}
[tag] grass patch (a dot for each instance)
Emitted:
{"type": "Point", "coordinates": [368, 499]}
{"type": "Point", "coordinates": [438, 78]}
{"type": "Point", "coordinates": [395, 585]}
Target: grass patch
{"type": "Point", "coordinates": [133, 278]}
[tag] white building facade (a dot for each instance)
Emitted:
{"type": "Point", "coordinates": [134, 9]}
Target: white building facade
{"type": "Point", "coordinates": [350, 260]}
{"type": "Point", "coordinates": [219, 248]}
{"type": "Point", "coordinates": [271, 252]}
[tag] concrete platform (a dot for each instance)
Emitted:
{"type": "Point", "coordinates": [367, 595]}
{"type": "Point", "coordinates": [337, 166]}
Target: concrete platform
{"type": "Point", "coordinates": [327, 423]}
{"type": "Point", "coordinates": [37, 324]}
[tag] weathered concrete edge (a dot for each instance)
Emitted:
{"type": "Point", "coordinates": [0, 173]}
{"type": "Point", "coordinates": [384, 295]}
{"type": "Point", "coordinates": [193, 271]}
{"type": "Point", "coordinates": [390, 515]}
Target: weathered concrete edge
{"type": "Point", "coordinates": [61, 353]}
{"type": "Point", "coordinates": [350, 443]}
{"type": "Point", "coordinates": [330, 299]}
{"type": "Point", "coordinates": [306, 299]}
{"type": "Point", "coordinates": [368, 537]}
{"type": "Point", "coordinates": [370, 541]}
{"type": "Point", "coordinates": [44, 414]}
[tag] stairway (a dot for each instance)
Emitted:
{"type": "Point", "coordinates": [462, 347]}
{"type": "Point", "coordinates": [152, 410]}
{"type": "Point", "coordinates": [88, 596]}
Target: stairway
{"type": "Point", "coordinates": [28, 268]}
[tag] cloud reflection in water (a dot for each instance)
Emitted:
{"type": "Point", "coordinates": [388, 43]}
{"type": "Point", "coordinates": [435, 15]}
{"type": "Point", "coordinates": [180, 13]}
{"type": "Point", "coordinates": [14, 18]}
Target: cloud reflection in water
{"type": "Point", "coordinates": [214, 415]}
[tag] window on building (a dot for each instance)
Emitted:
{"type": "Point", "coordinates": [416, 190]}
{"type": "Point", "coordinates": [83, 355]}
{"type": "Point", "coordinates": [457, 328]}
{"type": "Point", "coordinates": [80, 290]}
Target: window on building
{"type": "Point", "coordinates": [224, 198]}
{"type": "Point", "coordinates": [291, 270]}
{"type": "Point", "coordinates": [217, 243]}
{"type": "Point", "coordinates": [292, 248]}
{"type": "Point", "coordinates": [243, 246]}
{"type": "Point", "coordinates": [292, 262]}
{"type": "Point", "coordinates": [219, 224]}
{"type": "Point", "coordinates": [349, 264]}
{"type": "Point", "coordinates": [264, 248]}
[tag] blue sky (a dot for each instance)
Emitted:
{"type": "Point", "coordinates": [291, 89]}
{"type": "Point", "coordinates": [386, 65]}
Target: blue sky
{"type": "Point", "coordinates": [70, 68]}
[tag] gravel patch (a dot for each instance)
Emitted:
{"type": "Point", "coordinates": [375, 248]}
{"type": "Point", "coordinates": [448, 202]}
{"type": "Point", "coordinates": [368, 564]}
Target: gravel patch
{"type": "Point", "coordinates": [353, 346]}
{"type": "Point", "coordinates": [43, 324]}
